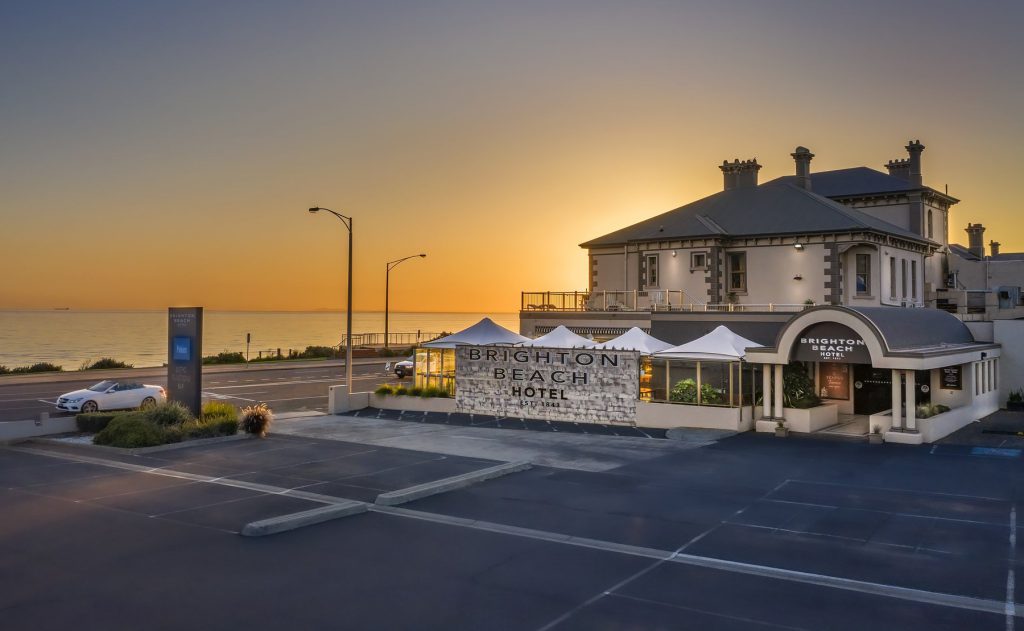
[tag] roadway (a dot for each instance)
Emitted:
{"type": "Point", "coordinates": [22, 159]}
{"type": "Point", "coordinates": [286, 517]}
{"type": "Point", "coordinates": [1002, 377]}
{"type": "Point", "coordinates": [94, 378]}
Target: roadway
{"type": "Point", "coordinates": [291, 388]}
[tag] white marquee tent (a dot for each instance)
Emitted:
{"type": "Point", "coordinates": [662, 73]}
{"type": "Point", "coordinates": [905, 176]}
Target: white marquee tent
{"type": "Point", "coordinates": [560, 337]}
{"type": "Point", "coordinates": [719, 345]}
{"type": "Point", "coordinates": [635, 340]}
{"type": "Point", "coordinates": [485, 331]}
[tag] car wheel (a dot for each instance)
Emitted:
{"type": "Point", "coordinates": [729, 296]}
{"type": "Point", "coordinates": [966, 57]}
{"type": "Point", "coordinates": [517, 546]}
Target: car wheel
{"type": "Point", "coordinates": [90, 406]}
{"type": "Point", "coordinates": [147, 403]}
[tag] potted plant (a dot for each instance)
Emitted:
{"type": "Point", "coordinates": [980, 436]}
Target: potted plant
{"type": "Point", "coordinates": [875, 437]}
{"type": "Point", "coordinates": [1015, 402]}
{"type": "Point", "coordinates": [781, 431]}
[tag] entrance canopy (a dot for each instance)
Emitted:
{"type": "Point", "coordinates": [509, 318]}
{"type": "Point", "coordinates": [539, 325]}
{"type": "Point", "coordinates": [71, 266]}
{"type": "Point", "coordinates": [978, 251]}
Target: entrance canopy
{"type": "Point", "coordinates": [560, 337]}
{"type": "Point", "coordinates": [884, 337]}
{"type": "Point", "coordinates": [482, 333]}
{"type": "Point", "coordinates": [718, 345]}
{"type": "Point", "coordinates": [636, 340]}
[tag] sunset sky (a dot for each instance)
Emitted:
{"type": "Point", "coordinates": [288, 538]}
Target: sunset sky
{"type": "Point", "coordinates": [164, 153]}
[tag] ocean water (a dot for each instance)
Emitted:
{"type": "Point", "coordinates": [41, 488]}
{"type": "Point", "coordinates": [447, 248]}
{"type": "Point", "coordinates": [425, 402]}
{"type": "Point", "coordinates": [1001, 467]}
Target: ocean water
{"type": "Point", "coordinates": [71, 338]}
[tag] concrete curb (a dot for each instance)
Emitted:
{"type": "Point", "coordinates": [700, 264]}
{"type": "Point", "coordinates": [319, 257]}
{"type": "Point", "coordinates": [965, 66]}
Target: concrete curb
{"type": "Point", "coordinates": [139, 451]}
{"type": "Point", "coordinates": [420, 491]}
{"type": "Point", "coordinates": [309, 517]}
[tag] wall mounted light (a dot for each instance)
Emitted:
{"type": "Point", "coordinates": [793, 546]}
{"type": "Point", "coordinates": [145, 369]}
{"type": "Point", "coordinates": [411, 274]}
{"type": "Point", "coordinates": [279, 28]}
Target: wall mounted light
{"type": "Point", "coordinates": [798, 246]}
{"type": "Point", "coordinates": [798, 277]}
{"type": "Point", "coordinates": [674, 254]}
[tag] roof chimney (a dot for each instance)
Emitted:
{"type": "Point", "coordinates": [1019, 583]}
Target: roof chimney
{"type": "Point", "coordinates": [994, 247]}
{"type": "Point", "coordinates": [914, 148]}
{"type": "Point", "coordinates": [737, 174]}
{"type": "Point", "coordinates": [975, 239]}
{"type": "Point", "coordinates": [899, 168]}
{"type": "Point", "coordinates": [802, 156]}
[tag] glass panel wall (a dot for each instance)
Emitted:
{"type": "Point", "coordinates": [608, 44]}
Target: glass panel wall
{"type": "Point", "coordinates": [709, 383]}
{"type": "Point", "coordinates": [435, 368]}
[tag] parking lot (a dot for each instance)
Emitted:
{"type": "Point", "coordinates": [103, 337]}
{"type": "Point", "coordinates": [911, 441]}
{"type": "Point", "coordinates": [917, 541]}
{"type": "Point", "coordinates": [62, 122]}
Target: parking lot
{"type": "Point", "coordinates": [749, 532]}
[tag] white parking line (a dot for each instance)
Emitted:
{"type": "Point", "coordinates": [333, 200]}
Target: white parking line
{"type": "Point", "coordinates": [1011, 607]}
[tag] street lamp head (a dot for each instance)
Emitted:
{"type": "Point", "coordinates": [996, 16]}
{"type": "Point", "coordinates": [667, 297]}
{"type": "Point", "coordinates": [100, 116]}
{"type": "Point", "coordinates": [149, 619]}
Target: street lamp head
{"type": "Point", "coordinates": [314, 210]}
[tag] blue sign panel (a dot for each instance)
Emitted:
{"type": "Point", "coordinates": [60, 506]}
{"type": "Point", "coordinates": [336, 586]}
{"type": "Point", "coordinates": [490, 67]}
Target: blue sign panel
{"type": "Point", "coordinates": [182, 350]}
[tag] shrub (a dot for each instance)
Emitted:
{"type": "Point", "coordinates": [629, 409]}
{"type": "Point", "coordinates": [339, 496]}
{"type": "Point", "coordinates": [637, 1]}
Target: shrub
{"type": "Point", "coordinates": [798, 387]}
{"type": "Point", "coordinates": [40, 367]}
{"type": "Point", "coordinates": [256, 419]}
{"type": "Point", "coordinates": [168, 413]}
{"type": "Point", "coordinates": [104, 363]}
{"type": "Point", "coordinates": [224, 358]}
{"type": "Point", "coordinates": [95, 421]}
{"type": "Point", "coordinates": [210, 428]}
{"type": "Point", "coordinates": [316, 352]}
{"type": "Point", "coordinates": [4, 369]}
{"type": "Point", "coordinates": [433, 391]}
{"type": "Point", "coordinates": [217, 410]}
{"type": "Point", "coordinates": [1016, 396]}
{"type": "Point", "coordinates": [685, 391]}
{"type": "Point", "coordinates": [414, 391]}
{"type": "Point", "coordinates": [384, 390]}
{"type": "Point", "coordinates": [927, 410]}
{"type": "Point", "coordinates": [401, 391]}
{"type": "Point", "coordinates": [133, 430]}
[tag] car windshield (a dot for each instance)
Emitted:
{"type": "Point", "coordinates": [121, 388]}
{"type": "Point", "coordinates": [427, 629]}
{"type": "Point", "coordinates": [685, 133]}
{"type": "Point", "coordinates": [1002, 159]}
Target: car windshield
{"type": "Point", "coordinates": [103, 386]}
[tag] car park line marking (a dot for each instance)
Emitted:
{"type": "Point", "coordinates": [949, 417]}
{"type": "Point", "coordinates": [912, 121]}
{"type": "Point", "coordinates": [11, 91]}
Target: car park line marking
{"type": "Point", "coordinates": [1011, 607]}
{"type": "Point", "coordinates": [958, 520]}
{"type": "Point", "coordinates": [839, 537]}
{"type": "Point", "coordinates": [903, 491]}
{"type": "Point", "coordinates": [662, 556]}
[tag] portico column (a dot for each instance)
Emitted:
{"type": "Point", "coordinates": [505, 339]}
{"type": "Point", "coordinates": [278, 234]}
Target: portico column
{"type": "Point", "coordinates": [897, 403]}
{"type": "Point", "coordinates": [778, 391]}
{"type": "Point", "coordinates": [766, 390]}
{"type": "Point", "coordinates": [911, 406]}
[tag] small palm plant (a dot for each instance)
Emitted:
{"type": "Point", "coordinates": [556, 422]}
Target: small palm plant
{"type": "Point", "coordinates": [256, 419]}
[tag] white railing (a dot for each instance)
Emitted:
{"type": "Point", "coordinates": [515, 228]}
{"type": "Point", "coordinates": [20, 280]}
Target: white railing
{"type": "Point", "coordinates": [639, 300]}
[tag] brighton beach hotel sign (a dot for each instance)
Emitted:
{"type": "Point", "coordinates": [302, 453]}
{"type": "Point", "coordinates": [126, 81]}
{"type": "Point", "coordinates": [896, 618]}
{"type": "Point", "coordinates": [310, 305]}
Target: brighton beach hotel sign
{"type": "Point", "coordinates": [558, 384]}
{"type": "Point", "coordinates": [831, 342]}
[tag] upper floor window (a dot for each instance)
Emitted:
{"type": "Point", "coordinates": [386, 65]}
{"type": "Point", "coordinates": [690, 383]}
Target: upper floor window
{"type": "Point", "coordinates": [892, 278]}
{"type": "Point", "coordinates": [931, 231]}
{"type": "Point", "coordinates": [905, 283]}
{"type": "Point", "coordinates": [863, 279]}
{"type": "Point", "coordinates": [913, 280]}
{"type": "Point", "coordinates": [652, 270]}
{"type": "Point", "coordinates": [737, 271]}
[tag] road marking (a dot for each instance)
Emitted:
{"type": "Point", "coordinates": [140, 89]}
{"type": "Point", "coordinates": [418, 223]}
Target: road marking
{"type": "Point", "coordinates": [903, 491]}
{"type": "Point", "coordinates": [1011, 607]}
{"type": "Point", "coordinates": [958, 520]}
{"type": "Point", "coordinates": [662, 556]}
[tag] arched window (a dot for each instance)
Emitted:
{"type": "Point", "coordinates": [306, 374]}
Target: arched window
{"type": "Point", "coordinates": [930, 231]}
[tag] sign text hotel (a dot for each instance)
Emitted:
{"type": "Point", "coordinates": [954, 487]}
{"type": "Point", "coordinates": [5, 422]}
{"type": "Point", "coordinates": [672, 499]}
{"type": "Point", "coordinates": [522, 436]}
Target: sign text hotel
{"type": "Point", "coordinates": [584, 385]}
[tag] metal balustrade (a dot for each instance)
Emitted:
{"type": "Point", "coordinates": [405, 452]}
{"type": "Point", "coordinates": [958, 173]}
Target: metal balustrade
{"type": "Point", "coordinates": [636, 300]}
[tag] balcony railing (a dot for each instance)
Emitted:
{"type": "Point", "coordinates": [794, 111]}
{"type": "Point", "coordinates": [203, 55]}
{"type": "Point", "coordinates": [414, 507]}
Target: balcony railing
{"type": "Point", "coordinates": [638, 300]}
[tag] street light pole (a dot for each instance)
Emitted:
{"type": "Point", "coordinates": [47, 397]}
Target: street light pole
{"type": "Point", "coordinates": [387, 289]}
{"type": "Point", "coordinates": [348, 309]}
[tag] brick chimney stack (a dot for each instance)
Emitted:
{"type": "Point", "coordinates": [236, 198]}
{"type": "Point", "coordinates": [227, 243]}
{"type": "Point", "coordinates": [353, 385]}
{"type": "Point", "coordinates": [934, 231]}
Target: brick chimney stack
{"type": "Point", "coordinates": [914, 148]}
{"type": "Point", "coordinates": [976, 239]}
{"type": "Point", "coordinates": [803, 156]}
{"type": "Point", "coordinates": [994, 247]}
{"type": "Point", "coordinates": [740, 174]}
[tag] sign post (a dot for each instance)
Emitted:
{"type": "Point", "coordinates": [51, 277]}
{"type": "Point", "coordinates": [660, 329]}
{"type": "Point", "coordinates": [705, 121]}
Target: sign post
{"type": "Point", "coordinates": [185, 357]}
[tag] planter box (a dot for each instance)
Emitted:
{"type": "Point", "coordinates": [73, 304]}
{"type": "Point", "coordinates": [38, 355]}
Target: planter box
{"type": "Point", "coordinates": [875, 439]}
{"type": "Point", "coordinates": [1015, 406]}
{"type": "Point", "coordinates": [811, 419]}
{"type": "Point", "coordinates": [781, 432]}
{"type": "Point", "coordinates": [670, 415]}
{"type": "Point", "coordinates": [412, 404]}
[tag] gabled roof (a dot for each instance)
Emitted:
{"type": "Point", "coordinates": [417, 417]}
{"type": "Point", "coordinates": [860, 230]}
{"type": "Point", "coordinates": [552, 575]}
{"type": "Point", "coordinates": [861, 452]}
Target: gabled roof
{"type": "Point", "coordinates": [774, 208]}
{"type": "Point", "coordinates": [966, 254]}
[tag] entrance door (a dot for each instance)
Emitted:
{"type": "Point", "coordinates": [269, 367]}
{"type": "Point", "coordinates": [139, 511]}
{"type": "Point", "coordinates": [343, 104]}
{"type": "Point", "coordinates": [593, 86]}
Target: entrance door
{"type": "Point", "coordinates": [872, 389]}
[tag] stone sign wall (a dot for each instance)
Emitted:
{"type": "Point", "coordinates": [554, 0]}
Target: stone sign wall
{"type": "Point", "coordinates": [558, 384]}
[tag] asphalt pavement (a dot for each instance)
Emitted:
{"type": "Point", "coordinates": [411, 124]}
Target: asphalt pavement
{"type": "Point", "coordinates": [747, 532]}
{"type": "Point", "coordinates": [286, 388]}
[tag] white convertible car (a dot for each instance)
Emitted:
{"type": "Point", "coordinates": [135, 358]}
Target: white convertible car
{"type": "Point", "coordinates": [111, 395]}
